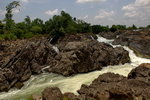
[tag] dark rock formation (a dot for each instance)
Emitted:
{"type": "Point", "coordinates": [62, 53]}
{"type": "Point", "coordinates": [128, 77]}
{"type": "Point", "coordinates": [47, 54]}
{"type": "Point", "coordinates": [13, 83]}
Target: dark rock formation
{"type": "Point", "coordinates": [111, 86]}
{"type": "Point", "coordinates": [81, 57]}
{"type": "Point", "coordinates": [110, 35]}
{"type": "Point", "coordinates": [27, 58]}
{"type": "Point", "coordinates": [141, 73]}
{"type": "Point", "coordinates": [62, 41]}
{"type": "Point", "coordinates": [138, 41]}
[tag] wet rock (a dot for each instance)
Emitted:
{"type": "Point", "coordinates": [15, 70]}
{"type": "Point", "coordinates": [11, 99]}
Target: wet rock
{"type": "Point", "coordinates": [52, 93]}
{"type": "Point", "coordinates": [142, 72]}
{"type": "Point", "coordinates": [36, 97]}
{"type": "Point", "coordinates": [137, 41]}
{"type": "Point", "coordinates": [82, 57]}
{"type": "Point", "coordinates": [123, 88]}
{"type": "Point", "coordinates": [19, 85]}
{"type": "Point", "coordinates": [110, 35]}
{"type": "Point", "coordinates": [26, 60]}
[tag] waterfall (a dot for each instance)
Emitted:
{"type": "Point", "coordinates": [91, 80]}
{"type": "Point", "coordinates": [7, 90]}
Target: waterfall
{"type": "Point", "coordinates": [37, 83]}
{"type": "Point", "coordinates": [91, 37]}
{"type": "Point", "coordinates": [56, 49]}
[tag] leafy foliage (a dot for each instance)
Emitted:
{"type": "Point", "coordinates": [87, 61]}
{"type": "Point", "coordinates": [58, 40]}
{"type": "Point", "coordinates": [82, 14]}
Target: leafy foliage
{"type": "Point", "coordinates": [9, 15]}
{"type": "Point", "coordinates": [58, 25]}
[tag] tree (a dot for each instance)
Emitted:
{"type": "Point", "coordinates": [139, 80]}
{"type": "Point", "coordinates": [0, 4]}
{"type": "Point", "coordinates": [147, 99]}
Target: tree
{"type": "Point", "coordinates": [96, 29]}
{"type": "Point", "coordinates": [1, 28]}
{"type": "Point", "coordinates": [8, 16]}
{"type": "Point", "coordinates": [121, 27]}
{"type": "Point", "coordinates": [148, 27]}
{"type": "Point", "coordinates": [134, 27]}
{"type": "Point", "coordinates": [27, 21]}
{"type": "Point", "coordinates": [113, 28]}
{"type": "Point", "coordinates": [36, 29]}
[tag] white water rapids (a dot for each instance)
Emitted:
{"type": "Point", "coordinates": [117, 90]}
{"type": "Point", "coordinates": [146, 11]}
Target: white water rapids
{"type": "Point", "coordinates": [37, 83]}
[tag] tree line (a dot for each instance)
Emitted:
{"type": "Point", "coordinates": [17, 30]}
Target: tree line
{"type": "Point", "coordinates": [58, 25]}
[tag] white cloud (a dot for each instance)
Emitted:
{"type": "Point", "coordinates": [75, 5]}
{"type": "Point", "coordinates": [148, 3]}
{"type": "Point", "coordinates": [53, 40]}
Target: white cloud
{"type": "Point", "coordinates": [104, 14]}
{"type": "Point", "coordinates": [54, 12]}
{"type": "Point", "coordinates": [129, 7]}
{"type": "Point", "coordinates": [142, 2]}
{"type": "Point", "coordinates": [64, 9]}
{"type": "Point", "coordinates": [137, 10]}
{"type": "Point", "coordinates": [132, 14]}
{"type": "Point", "coordinates": [24, 1]}
{"type": "Point", "coordinates": [15, 11]}
{"type": "Point", "coordinates": [88, 1]}
{"type": "Point", "coordinates": [86, 16]}
{"type": "Point", "coordinates": [2, 12]}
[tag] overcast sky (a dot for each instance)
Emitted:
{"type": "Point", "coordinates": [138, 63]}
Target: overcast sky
{"type": "Point", "coordinates": [101, 12]}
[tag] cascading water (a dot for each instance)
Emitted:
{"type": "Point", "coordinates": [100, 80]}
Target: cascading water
{"type": "Point", "coordinates": [56, 49]}
{"type": "Point", "coordinates": [135, 61]}
{"type": "Point", "coordinates": [37, 83]}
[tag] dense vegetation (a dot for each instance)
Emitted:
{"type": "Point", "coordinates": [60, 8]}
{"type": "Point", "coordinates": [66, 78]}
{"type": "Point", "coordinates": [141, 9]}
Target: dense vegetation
{"type": "Point", "coordinates": [58, 25]}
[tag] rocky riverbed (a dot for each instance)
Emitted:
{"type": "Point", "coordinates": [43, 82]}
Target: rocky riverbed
{"type": "Point", "coordinates": [80, 53]}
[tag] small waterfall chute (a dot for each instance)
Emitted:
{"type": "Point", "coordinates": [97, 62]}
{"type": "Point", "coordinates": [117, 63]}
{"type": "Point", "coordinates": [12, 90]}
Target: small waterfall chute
{"type": "Point", "coordinates": [54, 47]}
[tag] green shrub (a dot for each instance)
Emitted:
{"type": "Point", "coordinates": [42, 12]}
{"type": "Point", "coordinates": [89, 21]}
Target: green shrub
{"type": "Point", "coordinates": [9, 36]}
{"type": "Point", "coordinates": [28, 35]}
{"type": "Point", "coordinates": [19, 33]}
{"type": "Point", "coordinates": [1, 36]}
{"type": "Point", "coordinates": [1, 31]}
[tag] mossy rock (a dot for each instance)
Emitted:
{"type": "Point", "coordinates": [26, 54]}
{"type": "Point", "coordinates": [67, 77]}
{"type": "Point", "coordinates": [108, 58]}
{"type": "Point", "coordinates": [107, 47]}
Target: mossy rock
{"type": "Point", "coordinates": [19, 85]}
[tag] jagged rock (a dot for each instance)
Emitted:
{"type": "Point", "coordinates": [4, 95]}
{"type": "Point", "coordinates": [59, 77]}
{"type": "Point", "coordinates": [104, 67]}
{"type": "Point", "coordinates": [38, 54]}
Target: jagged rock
{"type": "Point", "coordinates": [26, 59]}
{"type": "Point", "coordinates": [110, 35]}
{"type": "Point", "coordinates": [142, 72]}
{"type": "Point", "coordinates": [138, 41]}
{"type": "Point", "coordinates": [82, 57]}
{"type": "Point", "coordinates": [114, 86]}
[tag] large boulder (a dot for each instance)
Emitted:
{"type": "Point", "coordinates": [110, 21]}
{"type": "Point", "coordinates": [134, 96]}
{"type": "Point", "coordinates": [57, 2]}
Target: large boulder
{"type": "Point", "coordinates": [114, 86]}
{"type": "Point", "coordinates": [85, 56]}
{"type": "Point", "coordinates": [142, 72]}
{"type": "Point", "coordinates": [26, 60]}
{"type": "Point", "coordinates": [138, 41]}
{"type": "Point", "coordinates": [52, 93]}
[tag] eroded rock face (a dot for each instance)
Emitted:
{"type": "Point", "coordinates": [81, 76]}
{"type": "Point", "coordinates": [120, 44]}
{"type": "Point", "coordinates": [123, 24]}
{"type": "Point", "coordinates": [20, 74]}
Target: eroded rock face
{"type": "Point", "coordinates": [82, 57]}
{"type": "Point", "coordinates": [141, 73]}
{"type": "Point", "coordinates": [113, 86]}
{"type": "Point", "coordinates": [78, 54]}
{"type": "Point", "coordinates": [26, 59]}
{"type": "Point", "coordinates": [138, 41]}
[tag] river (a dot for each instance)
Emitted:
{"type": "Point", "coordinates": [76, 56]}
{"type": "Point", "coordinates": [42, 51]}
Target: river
{"type": "Point", "coordinates": [37, 83]}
